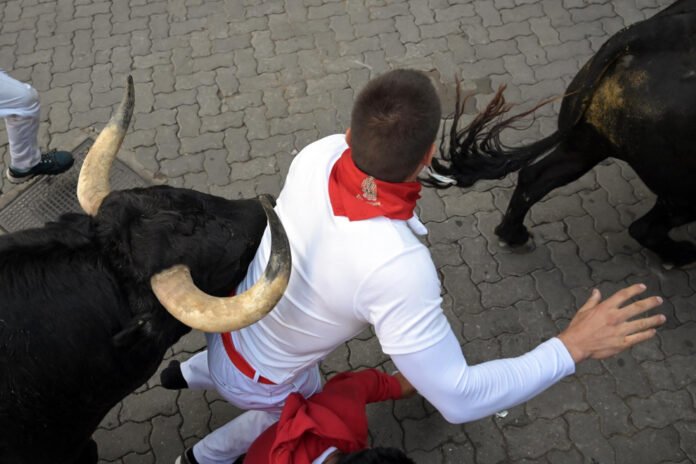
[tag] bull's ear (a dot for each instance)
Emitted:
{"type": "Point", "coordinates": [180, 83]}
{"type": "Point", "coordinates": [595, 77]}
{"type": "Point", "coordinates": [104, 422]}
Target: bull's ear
{"type": "Point", "coordinates": [135, 331]}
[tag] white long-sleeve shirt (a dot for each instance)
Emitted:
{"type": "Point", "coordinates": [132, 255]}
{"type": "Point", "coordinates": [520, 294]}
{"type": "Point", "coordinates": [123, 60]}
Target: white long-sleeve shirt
{"type": "Point", "coordinates": [347, 275]}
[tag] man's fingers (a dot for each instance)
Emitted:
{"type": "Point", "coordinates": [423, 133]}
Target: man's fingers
{"type": "Point", "coordinates": [592, 301]}
{"type": "Point", "coordinates": [642, 324]}
{"type": "Point", "coordinates": [620, 297]}
{"type": "Point", "coordinates": [631, 340]}
{"type": "Point", "coordinates": [639, 307]}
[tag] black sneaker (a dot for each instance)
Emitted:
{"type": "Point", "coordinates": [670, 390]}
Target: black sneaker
{"type": "Point", "coordinates": [187, 457]}
{"type": "Point", "coordinates": [172, 378]}
{"type": "Point", "coordinates": [52, 163]}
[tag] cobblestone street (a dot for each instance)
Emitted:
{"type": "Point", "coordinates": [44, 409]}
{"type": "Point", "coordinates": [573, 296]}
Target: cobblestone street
{"type": "Point", "coordinates": [228, 91]}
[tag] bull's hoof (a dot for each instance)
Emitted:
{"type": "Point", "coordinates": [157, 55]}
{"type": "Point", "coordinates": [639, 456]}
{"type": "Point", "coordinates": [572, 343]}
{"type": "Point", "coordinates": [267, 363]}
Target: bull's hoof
{"type": "Point", "coordinates": [526, 247]}
{"type": "Point", "coordinates": [512, 236]}
{"type": "Point", "coordinates": [679, 254]}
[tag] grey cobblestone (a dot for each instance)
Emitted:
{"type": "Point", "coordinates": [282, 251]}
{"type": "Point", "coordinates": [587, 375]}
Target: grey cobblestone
{"type": "Point", "coordinates": [538, 438]}
{"type": "Point", "coordinates": [664, 446]}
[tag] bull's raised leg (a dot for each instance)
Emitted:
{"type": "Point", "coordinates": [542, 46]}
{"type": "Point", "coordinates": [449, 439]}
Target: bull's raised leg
{"type": "Point", "coordinates": [652, 231]}
{"type": "Point", "coordinates": [563, 165]}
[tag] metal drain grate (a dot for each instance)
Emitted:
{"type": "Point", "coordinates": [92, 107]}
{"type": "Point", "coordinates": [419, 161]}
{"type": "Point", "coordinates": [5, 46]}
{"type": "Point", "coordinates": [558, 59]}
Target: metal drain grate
{"type": "Point", "coordinates": [50, 196]}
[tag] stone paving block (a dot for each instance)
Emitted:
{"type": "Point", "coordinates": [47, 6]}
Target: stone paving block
{"type": "Point", "coordinates": [446, 254]}
{"type": "Point", "coordinates": [452, 229]}
{"type": "Point", "coordinates": [630, 380]}
{"type": "Point", "coordinates": [575, 274]}
{"type": "Point", "coordinates": [179, 166]}
{"type": "Point", "coordinates": [139, 408]}
{"type": "Point", "coordinates": [481, 262]}
{"type": "Point", "coordinates": [515, 262]}
{"type": "Point", "coordinates": [514, 345]}
{"type": "Point", "coordinates": [164, 436]}
{"type": "Point", "coordinates": [664, 446]}
{"type": "Point", "coordinates": [385, 430]}
{"type": "Point", "coordinates": [521, 288]}
{"type": "Point", "coordinates": [534, 318]}
{"type": "Point", "coordinates": [491, 323]}
{"type": "Point", "coordinates": [459, 286]}
{"type": "Point", "coordinates": [135, 458]}
{"type": "Point", "coordinates": [457, 453]}
{"type": "Point", "coordinates": [111, 421]}
{"type": "Point", "coordinates": [428, 433]}
{"type": "Point", "coordinates": [617, 268]}
{"type": "Point", "coordinates": [583, 430]}
{"type": "Point", "coordinates": [538, 438]}
{"type": "Point", "coordinates": [222, 412]}
{"type": "Point", "coordinates": [687, 438]}
{"type": "Point", "coordinates": [613, 413]}
{"type": "Point", "coordinates": [678, 340]}
{"type": "Point", "coordinates": [197, 181]}
{"type": "Point", "coordinates": [565, 396]}
{"type": "Point", "coordinates": [591, 245]}
{"type": "Point", "coordinates": [337, 360]}
{"type": "Point", "coordinates": [364, 354]}
{"type": "Point", "coordinates": [129, 437]}
{"type": "Point", "coordinates": [661, 409]}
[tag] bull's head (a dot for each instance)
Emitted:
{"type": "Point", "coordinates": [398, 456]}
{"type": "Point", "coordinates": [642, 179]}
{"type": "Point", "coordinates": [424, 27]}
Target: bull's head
{"type": "Point", "coordinates": [174, 287]}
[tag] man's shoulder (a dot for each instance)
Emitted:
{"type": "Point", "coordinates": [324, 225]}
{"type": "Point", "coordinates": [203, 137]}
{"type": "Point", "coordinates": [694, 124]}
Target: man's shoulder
{"type": "Point", "coordinates": [332, 145]}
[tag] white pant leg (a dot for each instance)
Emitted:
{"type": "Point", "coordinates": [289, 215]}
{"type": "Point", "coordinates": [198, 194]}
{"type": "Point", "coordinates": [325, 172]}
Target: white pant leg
{"type": "Point", "coordinates": [230, 441]}
{"type": "Point", "coordinates": [19, 105]}
{"type": "Point", "coordinates": [227, 443]}
{"type": "Point", "coordinates": [195, 372]}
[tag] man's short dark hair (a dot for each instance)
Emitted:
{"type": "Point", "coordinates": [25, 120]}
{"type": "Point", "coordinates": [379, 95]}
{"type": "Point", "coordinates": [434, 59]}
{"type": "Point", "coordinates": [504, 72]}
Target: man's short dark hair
{"type": "Point", "coordinates": [394, 122]}
{"type": "Point", "coordinates": [376, 456]}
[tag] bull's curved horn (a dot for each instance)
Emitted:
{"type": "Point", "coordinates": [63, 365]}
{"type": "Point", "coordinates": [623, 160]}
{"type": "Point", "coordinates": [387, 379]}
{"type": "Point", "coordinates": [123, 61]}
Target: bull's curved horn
{"type": "Point", "coordinates": [93, 184]}
{"type": "Point", "coordinates": [176, 291]}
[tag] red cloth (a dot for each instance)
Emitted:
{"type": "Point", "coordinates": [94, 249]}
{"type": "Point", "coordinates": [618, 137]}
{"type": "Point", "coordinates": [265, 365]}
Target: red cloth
{"type": "Point", "coordinates": [334, 417]}
{"type": "Point", "coordinates": [359, 196]}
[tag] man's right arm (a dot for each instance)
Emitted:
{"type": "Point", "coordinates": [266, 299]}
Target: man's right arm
{"type": "Point", "coordinates": [464, 393]}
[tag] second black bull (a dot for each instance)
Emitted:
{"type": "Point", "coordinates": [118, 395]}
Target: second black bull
{"type": "Point", "coordinates": [635, 100]}
{"type": "Point", "coordinates": [86, 303]}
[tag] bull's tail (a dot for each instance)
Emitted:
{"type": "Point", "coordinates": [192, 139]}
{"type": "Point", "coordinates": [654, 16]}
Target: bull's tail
{"type": "Point", "coordinates": [476, 151]}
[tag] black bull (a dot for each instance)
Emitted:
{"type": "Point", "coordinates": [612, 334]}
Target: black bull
{"type": "Point", "coordinates": [635, 100]}
{"type": "Point", "coordinates": [80, 327]}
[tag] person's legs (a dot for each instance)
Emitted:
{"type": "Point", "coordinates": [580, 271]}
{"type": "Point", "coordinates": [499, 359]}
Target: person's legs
{"type": "Point", "coordinates": [225, 444]}
{"type": "Point", "coordinates": [196, 371]}
{"type": "Point", "coordinates": [230, 441]}
{"type": "Point", "coordinates": [19, 105]}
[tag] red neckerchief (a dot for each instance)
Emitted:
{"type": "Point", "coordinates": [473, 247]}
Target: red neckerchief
{"type": "Point", "coordinates": [359, 196]}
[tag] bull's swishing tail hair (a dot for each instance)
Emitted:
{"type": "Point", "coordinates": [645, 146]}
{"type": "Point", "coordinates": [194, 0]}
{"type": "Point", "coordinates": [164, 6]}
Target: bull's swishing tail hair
{"type": "Point", "coordinates": [93, 183]}
{"type": "Point", "coordinates": [476, 151]}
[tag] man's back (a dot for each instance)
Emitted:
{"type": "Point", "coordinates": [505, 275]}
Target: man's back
{"type": "Point", "coordinates": [346, 275]}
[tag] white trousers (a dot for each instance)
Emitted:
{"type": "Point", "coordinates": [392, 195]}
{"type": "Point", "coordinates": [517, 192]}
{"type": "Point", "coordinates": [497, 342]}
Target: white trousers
{"type": "Point", "coordinates": [212, 369]}
{"type": "Point", "coordinates": [19, 105]}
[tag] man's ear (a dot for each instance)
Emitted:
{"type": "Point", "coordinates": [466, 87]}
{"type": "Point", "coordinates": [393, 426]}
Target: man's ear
{"type": "Point", "coordinates": [348, 136]}
{"type": "Point", "coordinates": [428, 159]}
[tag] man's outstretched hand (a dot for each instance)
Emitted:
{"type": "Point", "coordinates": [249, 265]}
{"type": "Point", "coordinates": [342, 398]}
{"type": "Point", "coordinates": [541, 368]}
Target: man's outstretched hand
{"type": "Point", "coordinates": [603, 328]}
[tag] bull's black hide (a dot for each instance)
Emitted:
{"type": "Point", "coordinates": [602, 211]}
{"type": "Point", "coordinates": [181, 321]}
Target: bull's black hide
{"type": "Point", "coordinates": [635, 100]}
{"type": "Point", "coordinates": [79, 325]}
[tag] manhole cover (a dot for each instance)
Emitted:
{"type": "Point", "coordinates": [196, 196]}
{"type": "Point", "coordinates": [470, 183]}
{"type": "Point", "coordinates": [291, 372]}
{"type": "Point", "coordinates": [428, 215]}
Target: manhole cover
{"type": "Point", "coordinates": [50, 196]}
